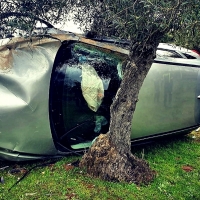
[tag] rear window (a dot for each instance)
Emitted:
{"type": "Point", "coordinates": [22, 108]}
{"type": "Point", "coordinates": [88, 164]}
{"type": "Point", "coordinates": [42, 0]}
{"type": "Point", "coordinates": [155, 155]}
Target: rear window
{"type": "Point", "coordinates": [167, 53]}
{"type": "Point", "coordinates": [189, 56]}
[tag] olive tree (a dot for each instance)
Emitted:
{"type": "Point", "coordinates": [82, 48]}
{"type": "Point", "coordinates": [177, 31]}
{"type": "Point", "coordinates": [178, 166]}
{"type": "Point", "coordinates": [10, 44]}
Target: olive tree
{"type": "Point", "coordinates": [24, 14]}
{"type": "Point", "coordinates": [144, 23]}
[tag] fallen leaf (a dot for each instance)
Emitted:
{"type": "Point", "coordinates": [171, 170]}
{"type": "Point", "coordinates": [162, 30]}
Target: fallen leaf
{"type": "Point", "coordinates": [187, 168]}
{"type": "Point", "coordinates": [90, 186]}
{"type": "Point", "coordinates": [69, 167]}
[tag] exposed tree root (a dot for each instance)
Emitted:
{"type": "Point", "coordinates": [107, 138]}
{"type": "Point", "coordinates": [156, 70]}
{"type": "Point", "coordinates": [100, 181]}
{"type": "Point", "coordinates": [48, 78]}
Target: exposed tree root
{"type": "Point", "coordinates": [104, 161]}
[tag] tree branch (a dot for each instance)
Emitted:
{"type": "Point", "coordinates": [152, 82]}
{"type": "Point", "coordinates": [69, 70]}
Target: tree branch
{"type": "Point", "coordinates": [17, 14]}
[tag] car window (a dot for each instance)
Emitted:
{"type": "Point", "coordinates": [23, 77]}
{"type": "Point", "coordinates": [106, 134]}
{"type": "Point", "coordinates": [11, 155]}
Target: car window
{"type": "Point", "coordinates": [167, 53]}
{"type": "Point", "coordinates": [189, 56]}
{"type": "Point", "coordinates": [85, 82]}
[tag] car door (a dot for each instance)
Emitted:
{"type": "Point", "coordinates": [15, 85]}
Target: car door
{"type": "Point", "coordinates": [168, 100]}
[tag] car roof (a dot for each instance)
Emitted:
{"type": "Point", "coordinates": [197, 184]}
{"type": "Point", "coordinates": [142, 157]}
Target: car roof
{"type": "Point", "coordinates": [179, 49]}
{"type": "Point", "coordinates": [110, 44]}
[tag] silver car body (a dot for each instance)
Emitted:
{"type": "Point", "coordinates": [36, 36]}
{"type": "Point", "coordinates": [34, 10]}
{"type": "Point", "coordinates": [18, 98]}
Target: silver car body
{"type": "Point", "coordinates": [25, 75]}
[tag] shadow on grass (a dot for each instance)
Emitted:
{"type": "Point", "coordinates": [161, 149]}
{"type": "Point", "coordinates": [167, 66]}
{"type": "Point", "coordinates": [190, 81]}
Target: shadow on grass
{"type": "Point", "coordinates": [147, 146]}
{"type": "Point", "coordinates": [160, 142]}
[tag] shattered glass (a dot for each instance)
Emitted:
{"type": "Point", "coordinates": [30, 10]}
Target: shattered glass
{"type": "Point", "coordinates": [90, 80]}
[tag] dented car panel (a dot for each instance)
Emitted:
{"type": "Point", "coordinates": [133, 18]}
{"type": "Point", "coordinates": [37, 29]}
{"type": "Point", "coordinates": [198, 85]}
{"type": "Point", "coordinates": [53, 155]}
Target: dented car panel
{"type": "Point", "coordinates": [24, 88]}
{"type": "Point", "coordinates": [56, 93]}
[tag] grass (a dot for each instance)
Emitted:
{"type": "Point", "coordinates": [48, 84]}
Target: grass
{"type": "Point", "coordinates": [176, 161]}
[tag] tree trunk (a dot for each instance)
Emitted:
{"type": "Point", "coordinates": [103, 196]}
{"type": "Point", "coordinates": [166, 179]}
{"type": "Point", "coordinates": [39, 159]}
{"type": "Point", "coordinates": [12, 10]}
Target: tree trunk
{"type": "Point", "coordinates": [110, 156]}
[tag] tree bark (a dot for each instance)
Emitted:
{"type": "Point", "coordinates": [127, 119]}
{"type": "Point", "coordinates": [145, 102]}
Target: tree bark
{"type": "Point", "coordinates": [110, 156]}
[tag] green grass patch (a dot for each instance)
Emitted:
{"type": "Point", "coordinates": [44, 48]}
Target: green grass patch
{"type": "Point", "coordinates": [176, 162]}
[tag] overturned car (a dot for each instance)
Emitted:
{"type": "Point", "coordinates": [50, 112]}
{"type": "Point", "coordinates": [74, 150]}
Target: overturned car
{"type": "Point", "coordinates": [56, 93]}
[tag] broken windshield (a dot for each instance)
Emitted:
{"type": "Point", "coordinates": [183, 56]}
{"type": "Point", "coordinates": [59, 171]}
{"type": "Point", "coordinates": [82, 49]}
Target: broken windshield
{"type": "Point", "coordinates": [86, 82]}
